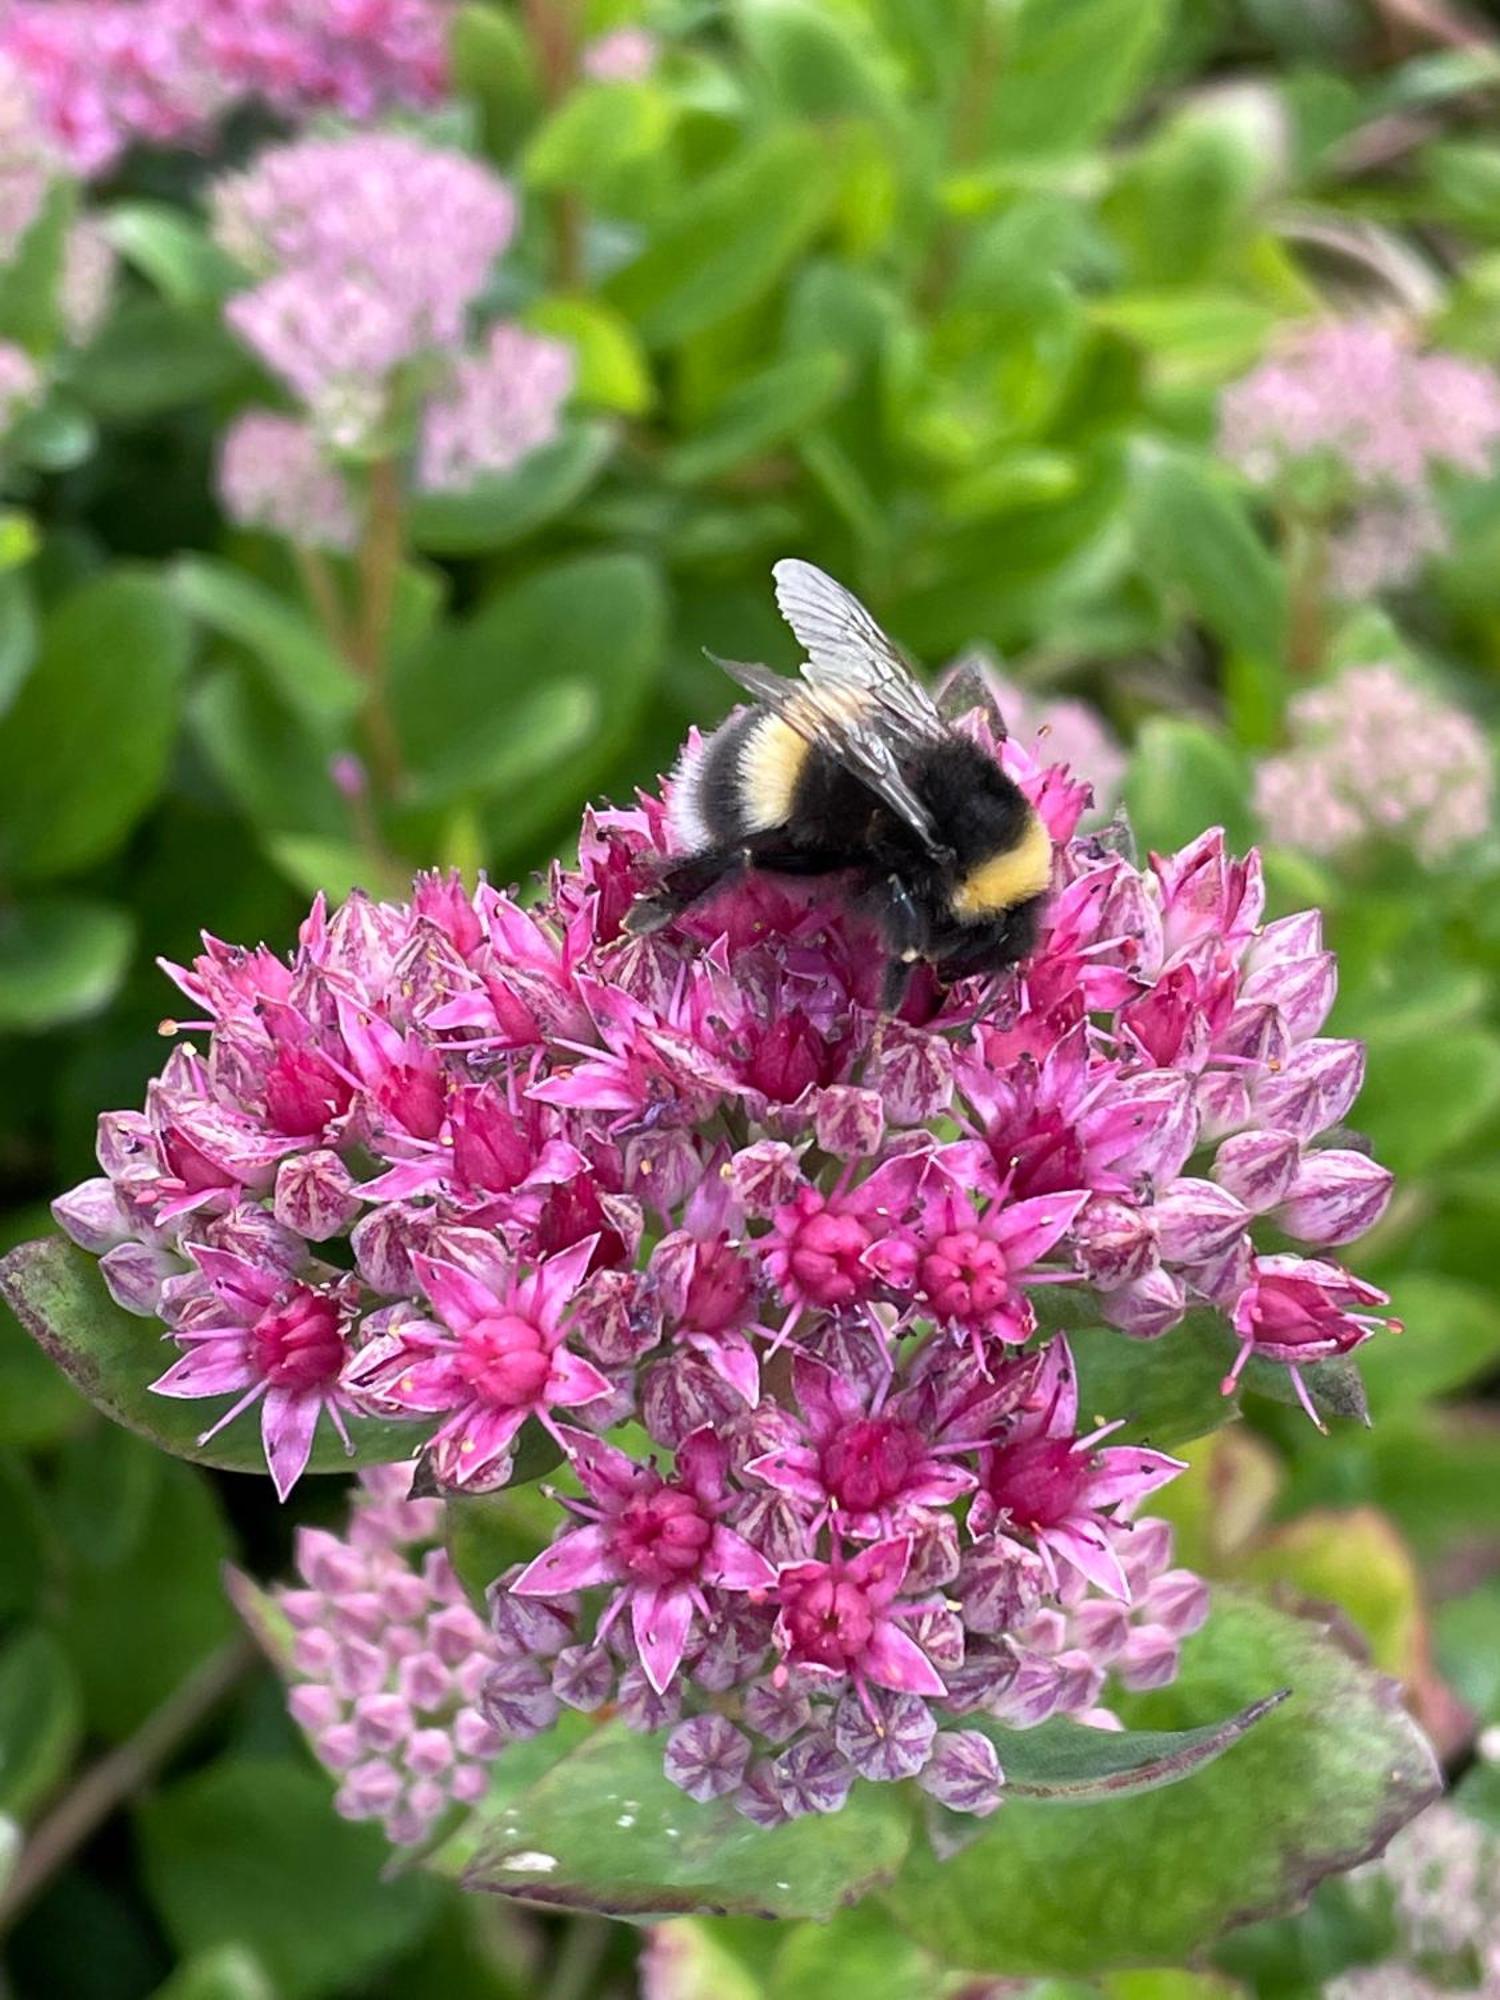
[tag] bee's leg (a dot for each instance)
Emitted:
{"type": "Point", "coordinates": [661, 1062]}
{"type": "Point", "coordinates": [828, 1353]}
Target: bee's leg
{"type": "Point", "coordinates": [905, 934]}
{"type": "Point", "coordinates": [682, 884]}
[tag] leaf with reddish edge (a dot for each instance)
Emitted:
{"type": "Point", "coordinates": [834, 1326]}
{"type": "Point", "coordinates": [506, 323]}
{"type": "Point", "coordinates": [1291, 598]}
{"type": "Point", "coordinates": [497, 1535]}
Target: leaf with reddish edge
{"type": "Point", "coordinates": [1321, 1784]}
{"type": "Point", "coordinates": [604, 1830]}
{"type": "Point", "coordinates": [113, 1357]}
{"type": "Point", "coordinates": [1061, 1764]}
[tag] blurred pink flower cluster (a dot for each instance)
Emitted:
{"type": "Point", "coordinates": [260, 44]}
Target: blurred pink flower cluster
{"type": "Point", "coordinates": [1352, 417]}
{"type": "Point", "coordinates": [387, 1661]}
{"type": "Point", "coordinates": [370, 253]}
{"type": "Point", "coordinates": [507, 1173]}
{"type": "Point", "coordinates": [108, 74]}
{"type": "Point", "coordinates": [1375, 756]}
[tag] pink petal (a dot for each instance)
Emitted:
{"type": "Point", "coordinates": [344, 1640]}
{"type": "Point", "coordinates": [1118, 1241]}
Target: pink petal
{"type": "Point", "coordinates": [472, 1448]}
{"type": "Point", "coordinates": [732, 1359]}
{"type": "Point", "coordinates": [408, 1178]}
{"type": "Point", "coordinates": [881, 1569]}
{"type": "Point", "coordinates": [574, 1562]}
{"type": "Point", "coordinates": [660, 1620]}
{"type": "Point", "coordinates": [574, 1380]}
{"type": "Point", "coordinates": [212, 1368]}
{"type": "Point", "coordinates": [1124, 1473]}
{"type": "Point", "coordinates": [1027, 1230]}
{"type": "Point", "coordinates": [892, 1660]}
{"type": "Point", "coordinates": [827, 1401]}
{"type": "Point", "coordinates": [1091, 1555]}
{"type": "Point", "coordinates": [288, 1419]}
{"type": "Point", "coordinates": [732, 1564]}
{"type": "Point", "coordinates": [554, 1283]}
{"type": "Point", "coordinates": [459, 1299]}
{"type": "Point", "coordinates": [703, 1464]}
{"type": "Point", "coordinates": [425, 1382]}
{"type": "Point", "coordinates": [248, 1285]}
{"type": "Point", "coordinates": [794, 1471]}
{"type": "Point", "coordinates": [607, 1472]}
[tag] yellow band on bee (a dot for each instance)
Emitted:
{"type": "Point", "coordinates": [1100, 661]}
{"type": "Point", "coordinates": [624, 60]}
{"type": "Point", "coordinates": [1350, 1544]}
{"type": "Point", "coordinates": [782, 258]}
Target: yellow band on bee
{"type": "Point", "coordinates": [1006, 879]}
{"type": "Point", "coordinates": [771, 764]}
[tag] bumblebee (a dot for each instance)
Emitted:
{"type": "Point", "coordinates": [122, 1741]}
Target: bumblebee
{"type": "Point", "coordinates": [852, 771]}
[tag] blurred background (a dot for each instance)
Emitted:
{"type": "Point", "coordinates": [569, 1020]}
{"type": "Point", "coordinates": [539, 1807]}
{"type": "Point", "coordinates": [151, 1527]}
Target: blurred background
{"type": "Point", "coordinates": [395, 398]}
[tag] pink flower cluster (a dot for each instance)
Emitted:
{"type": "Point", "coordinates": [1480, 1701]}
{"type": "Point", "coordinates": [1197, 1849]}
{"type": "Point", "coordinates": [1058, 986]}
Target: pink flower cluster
{"type": "Point", "coordinates": [1374, 756]}
{"type": "Point", "coordinates": [508, 1173]}
{"type": "Point", "coordinates": [108, 74]}
{"type": "Point", "coordinates": [386, 1662]}
{"type": "Point", "coordinates": [274, 475]}
{"type": "Point", "coordinates": [499, 405]}
{"type": "Point", "coordinates": [370, 251]}
{"type": "Point", "coordinates": [1353, 417]}
{"type": "Point", "coordinates": [29, 165]}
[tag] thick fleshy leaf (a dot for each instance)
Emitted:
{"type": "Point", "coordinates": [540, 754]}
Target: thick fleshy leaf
{"type": "Point", "coordinates": [604, 1830]}
{"type": "Point", "coordinates": [61, 959]}
{"type": "Point", "coordinates": [1065, 1765]}
{"type": "Point", "coordinates": [57, 1294]}
{"type": "Point", "coordinates": [1167, 1389]}
{"type": "Point", "coordinates": [1320, 1785]}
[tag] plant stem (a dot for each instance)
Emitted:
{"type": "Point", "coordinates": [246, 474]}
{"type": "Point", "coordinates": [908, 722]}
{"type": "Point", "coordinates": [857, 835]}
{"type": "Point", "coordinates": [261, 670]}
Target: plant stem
{"type": "Point", "coordinates": [321, 586]}
{"type": "Point", "coordinates": [1307, 569]}
{"type": "Point", "coordinates": [583, 1946]}
{"type": "Point", "coordinates": [379, 567]}
{"type": "Point", "coordinates": [107, 1785]}
{"type": "Point", "coordinates": [553, 31]}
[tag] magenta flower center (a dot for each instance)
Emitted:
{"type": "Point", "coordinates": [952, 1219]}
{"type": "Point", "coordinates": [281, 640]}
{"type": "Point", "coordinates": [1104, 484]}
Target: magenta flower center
{"type": "Point", "coordinates": [414, 1093]}
{"type": "Point", "coordinates": [964, 1276]}
{"type": "Point", "coordinates": [789, 1056]}
{"type": "Point", "coordinates": [1038, 1483]}
{"type": "Point", "coordinates": [870, 1463]}
{"type": "Point", "coordinates": [505, 1360]}
{"type": "Point", "coordinates": [830, 1621]}
{"type": "Point", "coordinates": [719, 1288]}
{"type": "Point", "coordinates": [304, 1092]}
{"type": "Point", "coordinates": [825, 1258]}
{"type": "Point", "coordinates": [660, 1537]}
{"type": "Point", "coordinates": [297, 1345]}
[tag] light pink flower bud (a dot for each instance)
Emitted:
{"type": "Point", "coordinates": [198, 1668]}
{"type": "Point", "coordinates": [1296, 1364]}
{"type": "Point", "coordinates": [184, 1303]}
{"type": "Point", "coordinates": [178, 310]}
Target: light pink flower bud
{"type": "Point", "coordinates": [764, 1176]}
{"type": "Point", "coordinates": [473, 1736]}
{"type": "Point", "coordinates": [1301, 990]}
{"type": "Point", "coordinates": [358, 1667]}
{"type": "Point", "coordinates": [1335, 1197]}
{"type": "Point", "coordinates": [313, 1706]}
{"type": "Point", "coordinates": [429, 1752]}
{"type": "Point", "coordinates": [383, 1721]}
{"type": "Point", "coordinates": [339, 1746]}
{"type": "Point", "coordinates": [1149, 1659]}
{"type": "Point", "coordinates": [470, 1782]}
{"type": "Point", "coordinates": [315, 1195]}
{"type": "Point", "coordinates": [706, 1757]}
{"type": "Point", "coordinates": [1197, 1220]}
{"type": "Point", "coordinates": [1147, 1307]}
{"type": "Point", "coordinates": [964, 1773]}
{"type": "Point", "coordinates": [1178, 1601]}
{"type": "Point", "coordinates": [134, 1274]}
{"type": "Point", "coordinates": [424, 1681]}
{"type": "Point", "coordinates": [849, 1123]}
{"type": "Point", "coordinates": [1115, 1241]}
{"type": "Point", "coordinates": [1223, 1100]}
{"type": "Point", "coordinates": [92, 1216]}
{"type": "Point", "coordinates": [375, 1785]}
{"type": "Point", "coordinates": [328, 1564]}
{"type": "Point", "coordinates": [1257, 1167]}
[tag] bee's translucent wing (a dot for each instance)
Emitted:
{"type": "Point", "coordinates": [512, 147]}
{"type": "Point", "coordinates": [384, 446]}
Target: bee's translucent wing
{"type": "Point", "coordinates": [837, 721]}
{"type": "Point", "coordinates": [846, 648]}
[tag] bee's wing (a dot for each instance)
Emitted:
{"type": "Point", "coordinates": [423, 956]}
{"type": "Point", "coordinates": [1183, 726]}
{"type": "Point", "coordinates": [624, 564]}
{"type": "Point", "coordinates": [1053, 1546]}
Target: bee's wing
{"type": "Point", "coordinates": [858, 699]}
{"type": "Point", "coordinates": [827, 715]}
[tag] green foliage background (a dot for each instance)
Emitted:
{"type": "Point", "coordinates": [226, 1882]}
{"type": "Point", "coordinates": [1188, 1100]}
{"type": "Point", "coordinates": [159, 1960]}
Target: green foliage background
{"type": "Point", "coordinates": [939, 294]}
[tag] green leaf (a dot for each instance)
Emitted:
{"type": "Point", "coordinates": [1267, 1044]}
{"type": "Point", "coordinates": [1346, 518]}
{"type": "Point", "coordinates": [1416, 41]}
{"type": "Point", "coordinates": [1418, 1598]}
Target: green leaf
{"type": "Point", "coordinates": [41, 1721]}
{"type": "Point", "coordinates": [597, 129]}
{"type": "Point", "coordinates": [613, 372]}
{"type": "Point", "coordinates": [57, 1294]}
{"type": "Point", "coordinates": [1167, 1389]}
{"type": "Point", "coordinates": [55, 438]}
{"type": "Point", "coordinates": [31, 280]}
{"type": "Point", "coordinates": [173, 251]}
{"type": "Point", "coordinates": [334, 868]}
{"type": "Point", "coordinates": [1066, 69]}
{"type": "Point", "coordinates": [815, 59]}
{"type": "Point", "coordinates": [85, 745]}
{"type": "Point", "coordinates": [858, 1952]}
{"type": "Point", "coordinates": [18, 630]}
{"type": "Point", "coordinates": [1197, 543]}
{"type": "Point", "coordinates": [605, 1830]}
{"type": "Point", "coordinates": [1321, 1784]}
{"type": "Point", "coordinates": [776, 404]}
{"type": "Point", "coordinates": [151, 357]}
{"type": "Point", "coordinates": [494, 68]}
{"type": "Point", "coordinates": [305, 671]}
{"type": "Point", "coordinates": [1184, 777]}
{"type": "Point", "coordinates": [1060, 1764]}
{"type": "Point", "coordinates": [38, 1406]}
{"type": "Point", "coordinates": [726, 243]}
{"type": "Point", "coordinates": [474, 718]}
{"type": "Point", "coordinates": [273, 766]}
{"type": "Point", "coordinates": [249, 1853]}
{"type": "Point", "coordinates": [485, 1533]}
{"type": "Point", "coordinates": [1424, 1100]}
{"type": "Point", "coordinates": [226, 1972]}
{"type": "Point", "coordinates": [61, 959]}
{"type": "Point", "coordinates": [1452, 1339]}
{"type": "Point", "coordinates": [135, 1629]}
{"type": "Point", "coordinates": [504, 508]}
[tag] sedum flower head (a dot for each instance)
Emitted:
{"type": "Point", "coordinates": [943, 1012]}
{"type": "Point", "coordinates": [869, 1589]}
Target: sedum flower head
{"type": "Point", "coordinates": [1352, 416]}
{"type": "Point", "coordinates": [499, 405]}
{"type": "Point", "coordinates": [109, 74]}
{"type": "Point", "coordinates": [274, 474]}
{"type": "Point", "coordinates": [1375, 756]}
{"type": "Point", "coordinates": [504, 1171]}
{"type": "Point", "coordinates": [370, 249]}
{"type": "Point", "coordinates": [624, 55]}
